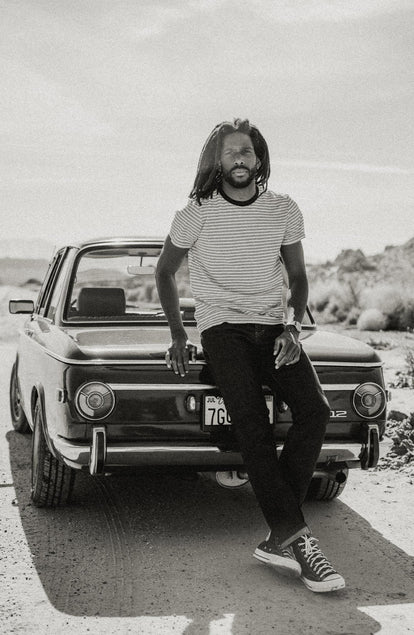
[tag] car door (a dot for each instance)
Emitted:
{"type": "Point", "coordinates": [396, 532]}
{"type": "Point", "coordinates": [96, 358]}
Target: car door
{"type": "Point", "coordinates": [33, 341]}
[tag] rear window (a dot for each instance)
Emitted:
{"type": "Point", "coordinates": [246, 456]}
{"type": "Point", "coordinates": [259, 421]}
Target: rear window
{"type": "Point", "coordinates": [118, 284]}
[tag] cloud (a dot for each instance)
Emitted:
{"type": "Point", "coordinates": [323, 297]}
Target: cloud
{"type": "Point", "coordinates": [288, 11]}
{"type": "Point", "coordinates": [349, 167]}
{"type": "Point", "coordinates": [141, 22]}
{"type": "Point", "coordinates": [144, 21]}
{"type": "Point", "coordinates": [37, 104]}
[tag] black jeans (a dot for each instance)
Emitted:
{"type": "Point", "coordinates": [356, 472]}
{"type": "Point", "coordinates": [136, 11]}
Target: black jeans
{"type": "Point", "coordinates": [240, 357]}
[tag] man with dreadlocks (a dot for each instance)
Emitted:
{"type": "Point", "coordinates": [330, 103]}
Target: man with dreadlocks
{"type": "Point", "coordinates": [235, 230]}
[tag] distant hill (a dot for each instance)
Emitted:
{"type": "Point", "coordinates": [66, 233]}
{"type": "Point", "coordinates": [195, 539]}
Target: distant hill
{"type": "Point", "coordinates": [22, 271]}
{"type": "Point", "coordinates": [394, 265]}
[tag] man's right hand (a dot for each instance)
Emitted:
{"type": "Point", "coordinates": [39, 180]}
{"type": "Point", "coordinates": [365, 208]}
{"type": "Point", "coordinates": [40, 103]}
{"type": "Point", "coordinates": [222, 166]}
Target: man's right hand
{"type": "Point", "coordinates": [178, 355]}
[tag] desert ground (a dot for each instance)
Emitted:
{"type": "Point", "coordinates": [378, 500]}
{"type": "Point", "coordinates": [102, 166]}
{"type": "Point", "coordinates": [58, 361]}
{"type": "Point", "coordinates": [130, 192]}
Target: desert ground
{"type": "Point", "coordinates": [163, 555]}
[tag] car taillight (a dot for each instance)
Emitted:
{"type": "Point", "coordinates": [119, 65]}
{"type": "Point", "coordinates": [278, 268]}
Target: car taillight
{"type": "Point", "coordinates": [369, 400]}
{"type": "Point", "coordinates": [191, 403]}
{"type": "Point", "coordinates": [94, 400]}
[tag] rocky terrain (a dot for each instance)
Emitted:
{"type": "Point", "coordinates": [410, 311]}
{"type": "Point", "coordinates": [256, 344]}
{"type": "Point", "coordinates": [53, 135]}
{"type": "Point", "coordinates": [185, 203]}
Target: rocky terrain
{"type": "Point", "coordinates": [394, 265]}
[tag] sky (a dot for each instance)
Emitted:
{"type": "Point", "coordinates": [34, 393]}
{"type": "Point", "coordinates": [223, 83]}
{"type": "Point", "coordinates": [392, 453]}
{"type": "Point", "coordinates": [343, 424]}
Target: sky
{"type": "Point", "coordinates": [106, 104]}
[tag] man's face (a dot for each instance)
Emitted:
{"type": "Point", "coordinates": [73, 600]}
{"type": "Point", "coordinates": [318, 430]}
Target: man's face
{"type": "Point", "coordinates": [238, 159]}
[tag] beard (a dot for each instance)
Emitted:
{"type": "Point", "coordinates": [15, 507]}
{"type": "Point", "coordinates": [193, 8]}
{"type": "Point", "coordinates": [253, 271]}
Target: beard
{"type": "Point", "coordinates": [239, 184]}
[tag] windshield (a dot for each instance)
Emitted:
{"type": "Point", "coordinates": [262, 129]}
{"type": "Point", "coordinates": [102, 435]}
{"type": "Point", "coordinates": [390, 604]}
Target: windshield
{"type": "Point", "coordinates": [118, 284]}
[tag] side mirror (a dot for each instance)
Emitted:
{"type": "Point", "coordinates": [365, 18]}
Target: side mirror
{"type": "Point", "coordinates": [21, 306]}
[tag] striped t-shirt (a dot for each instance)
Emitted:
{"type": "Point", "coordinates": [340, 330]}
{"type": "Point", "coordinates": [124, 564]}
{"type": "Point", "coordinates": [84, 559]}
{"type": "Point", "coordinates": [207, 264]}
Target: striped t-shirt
{"type": "Point", "coordinates": [234, 248]}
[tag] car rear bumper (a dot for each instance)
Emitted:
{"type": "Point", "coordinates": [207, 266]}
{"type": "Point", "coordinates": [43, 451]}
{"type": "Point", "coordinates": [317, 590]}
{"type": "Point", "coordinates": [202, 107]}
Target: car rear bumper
{"type": "Point", "coordinates": [100, 456]}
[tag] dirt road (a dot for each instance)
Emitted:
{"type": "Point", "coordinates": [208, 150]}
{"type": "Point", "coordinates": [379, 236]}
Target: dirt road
{"type": "Point", "coordinates": [170, 556]}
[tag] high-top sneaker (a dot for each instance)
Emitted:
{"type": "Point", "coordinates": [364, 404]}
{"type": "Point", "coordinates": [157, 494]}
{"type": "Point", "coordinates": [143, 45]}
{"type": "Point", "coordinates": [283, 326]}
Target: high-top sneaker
{"type": "Point", "coordinates": [317, 572]}
{"type": "Point", "coordinates": [282, 559]}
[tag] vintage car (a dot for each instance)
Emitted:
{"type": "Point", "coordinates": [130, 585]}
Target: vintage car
{"type": "Point", "coordinates": [90, 381]}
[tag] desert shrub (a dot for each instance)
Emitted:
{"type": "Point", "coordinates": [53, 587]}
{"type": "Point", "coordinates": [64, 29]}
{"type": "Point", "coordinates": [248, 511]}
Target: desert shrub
{"type": "Point", "coordinates": [407, 315]}
{"type": "Point", "coordinates": [333, 302]}
{"type": "Point", "coordinates": [148, 292]}
{"type": "Point", "coordinates": [353, 316]}
{"type": "Point", "coordinates": [319, 297]}
{"type": "Point", "coordinates": [401, 455]}
{"type": "Point", "coordinates": [402, 380]}
{"type": "Point", "coordinates": [409, 360]}
{"type": "Point", "coordinates": [372, 320]}
{"type": "Point", "coordinates": [184, 290]}
{"type": "Point", "coordinates": [132, 296]}
{"type": "Point", "coordinates": [396, 303]}
{"type": "Point", "coordinates": [405, 378]}
{"type": "Point", "coordinates": [379, 345]}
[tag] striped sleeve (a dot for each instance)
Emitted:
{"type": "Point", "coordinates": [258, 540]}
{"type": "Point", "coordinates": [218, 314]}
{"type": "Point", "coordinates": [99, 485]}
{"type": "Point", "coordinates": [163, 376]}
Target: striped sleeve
{"type": "Point", "coordinates": [186, 226]}
{"type": "Point", "coordinates": [295, 230]}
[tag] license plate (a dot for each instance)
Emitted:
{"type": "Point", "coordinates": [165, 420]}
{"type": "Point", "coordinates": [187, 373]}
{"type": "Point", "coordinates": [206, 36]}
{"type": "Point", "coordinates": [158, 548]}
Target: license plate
{"type": "Point", "coordinates": [215, 412]}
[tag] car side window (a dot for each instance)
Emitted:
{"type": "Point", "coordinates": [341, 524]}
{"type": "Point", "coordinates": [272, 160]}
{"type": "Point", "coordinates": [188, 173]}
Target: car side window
{"type": "Point", "coordinates": [58, 284]}
{"type": "Point", "coordinates": [47, 287]}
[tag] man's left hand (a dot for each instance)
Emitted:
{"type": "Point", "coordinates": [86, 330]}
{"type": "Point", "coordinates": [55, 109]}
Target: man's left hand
{"type": "Point", "coordinates": [287, 348]}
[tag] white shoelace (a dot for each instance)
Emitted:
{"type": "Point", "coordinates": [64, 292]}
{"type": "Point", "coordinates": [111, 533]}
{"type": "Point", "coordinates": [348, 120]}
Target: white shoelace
{"type": "Point", "coordinates": [314, 556]}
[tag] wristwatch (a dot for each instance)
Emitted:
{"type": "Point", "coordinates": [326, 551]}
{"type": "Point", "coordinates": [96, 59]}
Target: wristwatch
{"type": "Point", "coordinates": [296, 325]}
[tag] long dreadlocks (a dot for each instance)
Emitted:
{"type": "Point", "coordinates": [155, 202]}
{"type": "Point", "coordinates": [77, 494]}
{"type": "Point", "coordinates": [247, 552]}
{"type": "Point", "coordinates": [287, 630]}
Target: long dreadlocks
{"type": "Point", "coordinates": [209, 176]}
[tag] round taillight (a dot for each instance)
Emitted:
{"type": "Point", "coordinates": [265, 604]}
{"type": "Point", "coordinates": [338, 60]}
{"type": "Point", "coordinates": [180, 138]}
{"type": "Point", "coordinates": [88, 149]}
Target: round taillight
{"type": "Point", "coordinates": [369, 400]}
{"type": "Point", "coordinates": [95, 400]}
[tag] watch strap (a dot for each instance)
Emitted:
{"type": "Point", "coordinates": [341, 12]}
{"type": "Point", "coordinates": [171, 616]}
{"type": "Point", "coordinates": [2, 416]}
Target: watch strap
{"type": "Point", "coordinates": [296, 325]}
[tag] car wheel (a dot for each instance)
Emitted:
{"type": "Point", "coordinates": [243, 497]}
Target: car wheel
{"type": "Point", "coordinates": [52, 480]}
{"type": "Point", "coordinates": [327, 487]}
{"type": "Point", "coordinates": [19, 421]}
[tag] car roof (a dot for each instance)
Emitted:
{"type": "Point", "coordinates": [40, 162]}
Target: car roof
{"type": "Point", "coordinates": [117, 241]}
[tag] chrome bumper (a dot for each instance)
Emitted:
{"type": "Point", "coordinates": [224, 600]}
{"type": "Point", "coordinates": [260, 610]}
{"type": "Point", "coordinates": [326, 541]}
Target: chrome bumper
{"type": "Point", "coordinates": [100, 456]}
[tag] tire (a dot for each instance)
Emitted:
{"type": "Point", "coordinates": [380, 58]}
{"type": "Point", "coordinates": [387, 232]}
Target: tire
{"type": "Point", "coordinates": [19, 421]}
{"type": "Point", "coordinates": [326, 488]}
{"type": "Point", "coordinates": [52, 480]}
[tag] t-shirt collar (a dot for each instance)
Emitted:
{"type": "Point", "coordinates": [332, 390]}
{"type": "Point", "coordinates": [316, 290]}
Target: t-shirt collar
{"type": "Point", "coordinates": [239, 203]}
